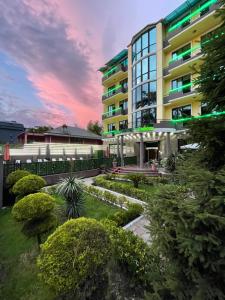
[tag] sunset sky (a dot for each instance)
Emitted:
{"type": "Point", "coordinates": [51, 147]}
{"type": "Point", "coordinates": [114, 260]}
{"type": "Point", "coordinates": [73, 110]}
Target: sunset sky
{"type": "Point", "coordinates": [50, 51]}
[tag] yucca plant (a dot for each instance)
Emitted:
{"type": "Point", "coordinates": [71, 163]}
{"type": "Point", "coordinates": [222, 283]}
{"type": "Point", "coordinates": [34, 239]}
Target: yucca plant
{"type": "Point", "coordinates": [71, 189]}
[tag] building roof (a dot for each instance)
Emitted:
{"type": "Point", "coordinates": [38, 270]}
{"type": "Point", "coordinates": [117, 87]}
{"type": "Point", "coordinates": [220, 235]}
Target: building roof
{"type": "Point", "coordinates": [115, 60]}
{"type": "Point", "coordinates": [180, 10]}
{"type": "Point", "coordinates": [73, 132]}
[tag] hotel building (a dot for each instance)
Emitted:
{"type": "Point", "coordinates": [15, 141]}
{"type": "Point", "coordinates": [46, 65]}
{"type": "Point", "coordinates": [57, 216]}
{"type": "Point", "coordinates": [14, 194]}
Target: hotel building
{"type": "Point", "coordinates": [151, 83]}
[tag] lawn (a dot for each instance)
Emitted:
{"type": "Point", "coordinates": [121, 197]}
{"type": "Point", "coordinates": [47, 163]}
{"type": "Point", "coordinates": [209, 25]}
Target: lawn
{"type": "Point", "coordinates": [18, 272]}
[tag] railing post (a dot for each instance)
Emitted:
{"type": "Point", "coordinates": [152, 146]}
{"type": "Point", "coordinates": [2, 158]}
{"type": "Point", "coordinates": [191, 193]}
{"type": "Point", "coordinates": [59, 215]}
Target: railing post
{"type": "Point", "coordinates": [1, 180]}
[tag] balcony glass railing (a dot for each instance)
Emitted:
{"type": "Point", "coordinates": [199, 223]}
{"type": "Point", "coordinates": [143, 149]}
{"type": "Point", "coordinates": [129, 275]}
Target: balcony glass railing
{"type": "Point", "coordinates": [196, 12]}
{"type": "Point", "coordinates": [214, 114]}
{"type": "Point", "coordinates": [183, 88]}
{"type": "Point", "coordinates": [114, 70]}
{"type": "Point", "coordinates": [139, 129]}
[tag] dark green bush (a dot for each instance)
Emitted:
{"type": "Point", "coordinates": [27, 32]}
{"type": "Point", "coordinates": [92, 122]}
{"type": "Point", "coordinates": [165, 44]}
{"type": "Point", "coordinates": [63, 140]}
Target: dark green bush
{"type": "Point", "coordinates": [136, 178]}
{"type": "Point", "coordinates": [73, 260]}
{"type": "Point", "coordinates": [28, 185]}
{"type": "Point", "coordinates": [124, 217]}
{"type": "Point", "coordinates": [35, 213]}
{"type": "Point", "coordinates": [13, 177]}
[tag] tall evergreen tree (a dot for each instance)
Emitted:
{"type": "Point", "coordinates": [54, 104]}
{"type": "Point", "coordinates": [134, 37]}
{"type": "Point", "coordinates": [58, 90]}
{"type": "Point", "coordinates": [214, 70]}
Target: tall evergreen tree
{"type": "Point", "coordinates": [209, 132]}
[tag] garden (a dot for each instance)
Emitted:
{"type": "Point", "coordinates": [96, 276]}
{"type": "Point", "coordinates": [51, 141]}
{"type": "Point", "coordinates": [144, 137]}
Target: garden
{"type": "Point", "coordinates": [68, 242]}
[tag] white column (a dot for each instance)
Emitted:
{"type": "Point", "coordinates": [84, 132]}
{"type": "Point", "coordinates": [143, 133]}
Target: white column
{"type": "Point", "coordinates": [121, 151]}
{"type": "Point", "coordinates": [118, 146]}
{"type": "Point", "coordinates": [168, 144]}
{"type": "Point", "coordinates": [141, 151]}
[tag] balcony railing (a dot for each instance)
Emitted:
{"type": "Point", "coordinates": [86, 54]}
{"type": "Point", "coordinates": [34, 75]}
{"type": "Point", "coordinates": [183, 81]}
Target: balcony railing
{"type": "Point", "coordinates": [180, 61]}
{"type": "Point", "coordinates": [117, 90]}
{"type": "Point", "coordinates": [180, 92]}
{"type": "Point", "coordinates": [189, 21]}
{"type": "Point", "coordinates": [114, 70]}
{"type": "Point", "coordinates": [113, 113]}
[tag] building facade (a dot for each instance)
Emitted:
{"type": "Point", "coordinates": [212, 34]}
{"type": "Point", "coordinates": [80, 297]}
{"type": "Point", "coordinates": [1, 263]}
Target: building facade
{"type": "Point", "coordinates": [150, 85]}
{"type": "Point", "coordinates": [10, 131]}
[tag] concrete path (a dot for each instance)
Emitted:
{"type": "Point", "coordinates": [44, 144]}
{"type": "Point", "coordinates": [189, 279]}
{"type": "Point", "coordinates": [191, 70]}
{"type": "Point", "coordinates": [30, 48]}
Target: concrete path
{"type": "Point", "coordinates": [137, 226]}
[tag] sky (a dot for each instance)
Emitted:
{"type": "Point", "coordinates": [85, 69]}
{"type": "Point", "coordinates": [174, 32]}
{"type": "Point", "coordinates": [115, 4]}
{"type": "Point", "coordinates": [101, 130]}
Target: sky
{"type": "Point", "coordinates": [51, 50]}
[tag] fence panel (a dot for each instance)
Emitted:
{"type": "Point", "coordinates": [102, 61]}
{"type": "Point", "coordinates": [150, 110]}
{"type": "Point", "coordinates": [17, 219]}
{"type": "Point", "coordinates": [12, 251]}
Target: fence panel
{"type": "Point", "coordinates": [59, 167]}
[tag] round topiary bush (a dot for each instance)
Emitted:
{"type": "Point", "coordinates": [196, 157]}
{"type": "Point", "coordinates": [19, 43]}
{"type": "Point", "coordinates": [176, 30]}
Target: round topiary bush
{"type": "Point", "coordinates": [28, 185]}
{"type": "Point", "coordinates": [35, 212]}
{"type": "Point", "coordinates": [13, 177]}
{"type": "Point", "coordinates": [74, 258]}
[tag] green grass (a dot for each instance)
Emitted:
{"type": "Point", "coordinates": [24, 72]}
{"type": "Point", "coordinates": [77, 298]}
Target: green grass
{"type": "Point", "coordinates": [18, 272]}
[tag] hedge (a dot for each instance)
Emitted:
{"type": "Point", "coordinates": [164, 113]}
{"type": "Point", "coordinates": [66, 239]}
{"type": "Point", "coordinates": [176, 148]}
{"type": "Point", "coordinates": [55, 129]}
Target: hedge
{"type": "Point", "coordinates": [130, 210]}
{"type": "Point", "coordinates": [122, 188]}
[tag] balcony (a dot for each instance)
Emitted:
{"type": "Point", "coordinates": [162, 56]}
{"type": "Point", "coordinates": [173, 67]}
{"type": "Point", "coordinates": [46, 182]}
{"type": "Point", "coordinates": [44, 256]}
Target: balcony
{"type": "Point", "coordinates": [185, 92]}
{"type": "Point", "coordinates": [182, 64]}
{"type": "Point", "coordinates": [197, 26]}
{"type": "Point", "coordinates": [117, 72]}
{"type": "Point", "coordinates": [114, 113]}
{"type": "Point", "coordinates": [117, 93]}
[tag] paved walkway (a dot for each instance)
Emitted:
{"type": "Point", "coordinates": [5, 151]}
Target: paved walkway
{"type": "Point", "coordinates": [137, 226]}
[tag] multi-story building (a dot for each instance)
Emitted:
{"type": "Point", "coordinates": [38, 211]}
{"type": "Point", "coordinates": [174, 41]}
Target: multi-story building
{"type": "Point", "coordinates": [152, 82]}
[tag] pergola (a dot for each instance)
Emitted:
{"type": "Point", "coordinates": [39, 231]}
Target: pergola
{"type": "Point", "coordinates": [141, 137]}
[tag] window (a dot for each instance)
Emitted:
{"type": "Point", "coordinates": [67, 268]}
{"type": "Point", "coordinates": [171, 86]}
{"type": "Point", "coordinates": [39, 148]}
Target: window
{"type": "Point", "coordinates": [124, 62]}
{"type": "Point", "coordinates": [181, 84]}
{"type": "Point", "coordinates": [111, 90]}
{"type": "Point", "coordinates": [186, 23]}
{"type": "Point", "coordinates": [144, 95]}
{"type": "Point", "coordinates": [144, 69]}
{"type": "Point", "coordinates": [152, 66]}
{"type": "Point", "coordinates": [204, 109]}
{"type": "Point", "coordinates": [181, 112]}
{"type": "Point", "coordinates": [144, 118]}
{"type": "Point", "coordinates": [178, 53]}
{"type": "Point", "coordinates": [111, 127]}
{"type": "Point", "coordinates": [124, 105]}
{"type": "Point", "coordinates": [144, 44]}
{"type": "Point", "coordinates": [124, 84]}
{"type": "Point", "coordinates": [123, 124]}
{"type": "Point", "coordinates": [111, 110]}
{"type": "Point", "coordinates": [205, 10]}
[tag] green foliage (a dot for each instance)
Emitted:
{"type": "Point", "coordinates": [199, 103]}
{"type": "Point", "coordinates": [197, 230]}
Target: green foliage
{"type": "Point", "coordinates": [94, 127]}
{"type": "Point", "coordinates": [71, 189]}
{"type": "Point", "coordinates": [121, 218]}
{"type": "Point", "coordinates": [136, 178]}
{"type": "Point", "coordinates": [73, 260]}
{"type": "Point", "coordinates": [28, 184]}
{"type": "Point", "coordinates": [122, 188]}
{"type": "Point", "coordinates": [13, 177]}
{"type": "Point", "coordinates": [35, 213]}
{"type": "Point", "coordinates": [187, 228]}
{"type": "Point", "coordinates": [171, 163]}
{"type": "Point", "coordinates": [40, 129]}
{"type": "Point", "coordinates": [209, 133]}
{"type": "Point", "coordinates": [134, 256]}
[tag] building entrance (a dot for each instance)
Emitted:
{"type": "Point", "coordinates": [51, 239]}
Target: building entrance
{"type": "Point", "coordinates": [151, 151]}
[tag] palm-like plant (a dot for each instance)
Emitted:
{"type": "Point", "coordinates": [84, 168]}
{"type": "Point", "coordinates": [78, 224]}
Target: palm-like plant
{"type": "Point", "coordinates": [71, 189]}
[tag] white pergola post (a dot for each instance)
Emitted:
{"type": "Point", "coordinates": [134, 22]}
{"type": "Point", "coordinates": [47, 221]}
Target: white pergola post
{"type": "Point", "coordinates": [121, 151]}
{"type": "Point", "coordinates": [141, 151]}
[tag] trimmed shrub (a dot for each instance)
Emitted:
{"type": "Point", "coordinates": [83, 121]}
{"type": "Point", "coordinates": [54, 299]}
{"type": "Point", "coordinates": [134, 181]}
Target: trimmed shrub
{"type": "Point", "coordinates": [134, 256]}
{"type": "Point", "coordinates": [122, 188]}
{"type": "Point", "coordinates": [13, 177]}
{"type": "Point", "coordinates": [73, 260]}
{"type": "Point", "coordinates": [28, 185]}
{"type": "Point", "coordinates": [136, 178]}
{"type": "Point", "coordinates": [35, 213]}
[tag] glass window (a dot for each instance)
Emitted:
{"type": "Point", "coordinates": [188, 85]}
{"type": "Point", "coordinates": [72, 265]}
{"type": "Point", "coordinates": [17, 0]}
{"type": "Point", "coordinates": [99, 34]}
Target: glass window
{"type": "Point", "coordinates": [138, 73]}
{"type": "Point", "coordinates": [144, 69]}
{"type": "Point", "coordinates": [124, 104]}
{"type": "Point", "coordinates": [178, 84]}
{"type": "Point", "coordinates": [152, 92]}
{"type": "Point", "coordinates": [182, 53]}
{"type": "Point", "coordinates": [138, 97]}
{"type": "Point", "coordinates": [152, 37]}
{"type": "Point", "coordinates": [144, 118]}
{"type": "Point", "coordinates": [123, 124]}
{"type": "Point", "coordinates": [111, 127]}
{"type": "Point", "coordinates": [111, 110]}
{"type": "Point", "coordinates": [181, 112]}
{"type": "Point", "coordinates": [124, 84]}
{"type": "Point", "coordinates": [145, 95]}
